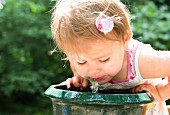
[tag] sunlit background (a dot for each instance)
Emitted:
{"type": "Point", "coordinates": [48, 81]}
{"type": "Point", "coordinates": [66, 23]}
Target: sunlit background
{"type": "Point", "coordinates": [27, 67]}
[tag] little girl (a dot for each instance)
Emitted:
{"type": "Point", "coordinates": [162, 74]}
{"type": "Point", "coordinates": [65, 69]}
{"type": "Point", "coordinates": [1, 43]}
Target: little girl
{"type": "Point", "coordinates": [96, 37]}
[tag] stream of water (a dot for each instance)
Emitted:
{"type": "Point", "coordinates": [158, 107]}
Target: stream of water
{"type": "Point", "coordinates": [95, 86]}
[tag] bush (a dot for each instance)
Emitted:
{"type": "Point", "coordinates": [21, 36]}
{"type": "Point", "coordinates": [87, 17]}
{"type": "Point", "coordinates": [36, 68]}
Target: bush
{"type": "Point", "coordinates": [26, 66]}
{"type": "Point", "coordinates": [151, 25]}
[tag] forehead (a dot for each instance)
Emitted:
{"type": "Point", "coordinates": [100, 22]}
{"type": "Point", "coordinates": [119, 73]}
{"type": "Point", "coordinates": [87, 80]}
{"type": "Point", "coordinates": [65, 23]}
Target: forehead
{"type": "Point", "coordinates": [93, 48]}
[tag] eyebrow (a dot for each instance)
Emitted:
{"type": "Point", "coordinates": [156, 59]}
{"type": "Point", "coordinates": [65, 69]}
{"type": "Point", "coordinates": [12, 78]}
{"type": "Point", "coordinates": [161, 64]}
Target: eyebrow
{"type": "Point", "coordinates": [104, 56]}
{"type": "Point", "coordinates": [97, 58]}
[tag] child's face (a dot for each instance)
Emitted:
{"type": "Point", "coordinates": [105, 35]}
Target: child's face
{"type": "Point", "coordinates": [100, 60]}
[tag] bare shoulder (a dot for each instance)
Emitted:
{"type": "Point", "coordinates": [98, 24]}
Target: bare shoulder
{"type": "Point", "coordinates": [153, 63]}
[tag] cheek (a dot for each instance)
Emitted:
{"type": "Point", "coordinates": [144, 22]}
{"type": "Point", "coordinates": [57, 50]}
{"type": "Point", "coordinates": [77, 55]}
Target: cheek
{"type": "Point", "coordinates": [80, 70]}
{"type": "Point", "coordinates": [109, 68]}
{"type": "Point", "coordinates": [114, 66]}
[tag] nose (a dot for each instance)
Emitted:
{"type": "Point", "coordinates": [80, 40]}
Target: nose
{"type": "Point", "coordinates": [94, 70]}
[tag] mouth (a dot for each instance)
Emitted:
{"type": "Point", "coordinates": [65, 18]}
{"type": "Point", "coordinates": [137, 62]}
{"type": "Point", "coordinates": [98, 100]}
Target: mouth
{"type": "Point", "coordinates": [99, 78]}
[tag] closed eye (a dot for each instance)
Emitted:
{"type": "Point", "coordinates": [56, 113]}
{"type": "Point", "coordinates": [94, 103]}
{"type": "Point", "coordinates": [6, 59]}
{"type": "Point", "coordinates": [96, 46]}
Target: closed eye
{"type": "Point", "coordinates": [105, 60]}
{"type": "Point", "coordinates": [81, 62]}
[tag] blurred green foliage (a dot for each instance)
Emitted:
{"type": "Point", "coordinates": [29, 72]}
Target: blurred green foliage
{"type": "Point", "coordinates": [27, 67]}
{"type": "Point", "coordinates": [151, 24]}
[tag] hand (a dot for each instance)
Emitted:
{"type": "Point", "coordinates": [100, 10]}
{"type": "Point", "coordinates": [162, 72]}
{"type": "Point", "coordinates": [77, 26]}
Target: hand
{"type": "Point", "coordinates": [77, 81]}
{"type": "Point", "coordinates": [154, 94]}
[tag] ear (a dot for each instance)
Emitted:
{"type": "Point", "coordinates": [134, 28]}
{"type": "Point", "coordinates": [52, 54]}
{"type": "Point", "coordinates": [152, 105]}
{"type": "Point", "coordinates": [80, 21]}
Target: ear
{"type": "Point", "coordinates": [126, 42]}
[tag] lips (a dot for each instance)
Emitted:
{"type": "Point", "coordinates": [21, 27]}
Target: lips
{"type": "Point", "coordinates": [99, 78]}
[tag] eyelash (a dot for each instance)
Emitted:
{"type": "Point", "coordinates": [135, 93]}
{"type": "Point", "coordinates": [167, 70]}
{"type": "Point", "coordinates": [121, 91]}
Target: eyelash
{"type": "Point", "coordinates": [81, 63]}
{"type": "Point", "coordinates": [104, 61]}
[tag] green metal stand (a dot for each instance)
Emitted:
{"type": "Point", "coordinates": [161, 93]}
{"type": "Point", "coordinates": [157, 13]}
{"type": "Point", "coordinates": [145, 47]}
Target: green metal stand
{"type": "Point", "coordinates": [77, 102]}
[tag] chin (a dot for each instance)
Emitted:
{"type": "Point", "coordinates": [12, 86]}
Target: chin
{"type": "Point", "coordinates": [102, 82]}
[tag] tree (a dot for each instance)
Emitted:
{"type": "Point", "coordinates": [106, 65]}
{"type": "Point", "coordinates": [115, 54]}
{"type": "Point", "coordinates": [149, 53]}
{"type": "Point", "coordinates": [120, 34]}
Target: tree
{"type": "Point", "coordinates": [26, 66]}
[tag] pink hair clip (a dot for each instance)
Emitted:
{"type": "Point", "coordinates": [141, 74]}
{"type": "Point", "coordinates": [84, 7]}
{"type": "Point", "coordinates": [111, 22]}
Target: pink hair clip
{"type": "Point", "coordinates": [104, 23]}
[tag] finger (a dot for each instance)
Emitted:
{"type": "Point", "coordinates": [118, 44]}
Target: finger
{"type": "Point", "coordinates": [133, 90]}
{"type": "Point", "coordinates": [76, 81]}
{"type": "Point", "coordinates": [68, 83]}
{"type": "Point", "coordinates": [153, 92]}
{"type": "Point", "coordinates": [144, 87]}
{"type": "Point", "coordinates": [137, 89]}
{"type": "Point", "coordinates": [84, 84]}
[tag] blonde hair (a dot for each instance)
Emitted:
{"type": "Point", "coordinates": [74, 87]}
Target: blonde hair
{"type": "Point", "coordinates": [75, 19]}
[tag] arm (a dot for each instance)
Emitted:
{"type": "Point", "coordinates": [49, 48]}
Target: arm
{"type": "Point", "coordinates": [154, 64]}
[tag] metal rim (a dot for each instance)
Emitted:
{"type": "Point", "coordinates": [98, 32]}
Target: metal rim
{"type": "Point", "coordinates": [96, 98]}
